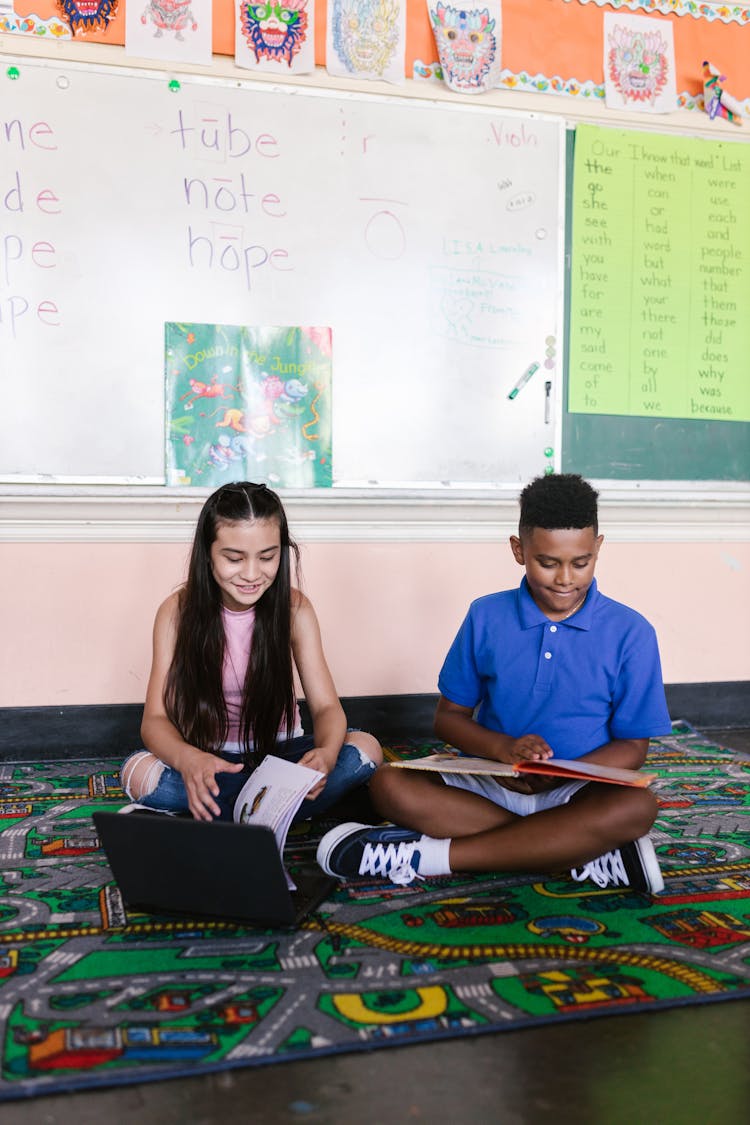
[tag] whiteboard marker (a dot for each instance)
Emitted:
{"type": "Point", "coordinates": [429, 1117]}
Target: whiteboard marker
{"type": "Point", "coordinates": [524, 379]}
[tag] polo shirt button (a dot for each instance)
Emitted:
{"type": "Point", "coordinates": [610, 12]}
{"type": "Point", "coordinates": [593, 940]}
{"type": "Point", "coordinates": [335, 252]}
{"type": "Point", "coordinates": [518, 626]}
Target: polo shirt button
{"type": "Point", "coordinates": [553, 628]}
{"type": "Point", "coordinates": [548, 656]}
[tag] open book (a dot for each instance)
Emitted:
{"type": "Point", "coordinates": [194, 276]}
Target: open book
{"type": "Point", "coordinates": [272, 794]}
{"type": "Point", "coordinates": [450, 761]}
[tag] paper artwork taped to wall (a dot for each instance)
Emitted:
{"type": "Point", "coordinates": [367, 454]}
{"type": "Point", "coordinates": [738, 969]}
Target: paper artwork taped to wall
{"type": "Point", "coordinates": [87, 15]}
{"type": "Point", "coordinates": [717, 101]}
{"type": "Point", "coordinates": [177, 30]}
{"type": "Point", "coordinates": [275, 37]}
{"type": "Point", "coordinates": [639, 64]}
{"type": "Point", "coordinates": [248, 402]}
{"type": "Point", "coordinates": [366, 39]}
{"type": "Point", "coordinates": [468, 42]}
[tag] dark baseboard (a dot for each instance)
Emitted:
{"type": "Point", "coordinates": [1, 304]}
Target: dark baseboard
{"type": "Point", "coordinates": [87, 731]}
{"type": "Point", "coordinates": [724, 705]}
{"type": "Point", "coordinates": [92, 731]}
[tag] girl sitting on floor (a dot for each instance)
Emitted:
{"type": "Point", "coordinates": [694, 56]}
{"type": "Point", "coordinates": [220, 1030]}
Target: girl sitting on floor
{"type": "Point", "coordinates": [221, 691]}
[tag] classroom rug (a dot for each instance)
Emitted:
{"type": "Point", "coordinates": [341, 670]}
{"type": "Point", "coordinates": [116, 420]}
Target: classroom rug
{"type": "Point", "coordinates": [92, 997]}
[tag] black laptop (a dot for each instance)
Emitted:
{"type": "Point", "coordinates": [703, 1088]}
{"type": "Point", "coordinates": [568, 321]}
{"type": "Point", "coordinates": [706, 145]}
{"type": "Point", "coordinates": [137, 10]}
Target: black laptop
{"type": "Point", "coordinates": [176, 865]}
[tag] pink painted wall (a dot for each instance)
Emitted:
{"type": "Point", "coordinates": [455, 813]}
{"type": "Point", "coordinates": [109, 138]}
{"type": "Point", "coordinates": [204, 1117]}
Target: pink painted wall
{"type": "Point", "coordinates": [76, 617]}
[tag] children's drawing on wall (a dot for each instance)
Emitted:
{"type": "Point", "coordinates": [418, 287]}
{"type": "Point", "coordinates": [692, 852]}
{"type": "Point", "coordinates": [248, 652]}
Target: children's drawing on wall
{"type": "Point", "coordinates": [366, 39]}
{"type": "Point", "coordinates": [248, 403]}
{"type": "Point", "coordinates": [87, 15]}
{"type": "Point", "coordinates": [178, 30]}
{"type": "Point", "coordinates": [717, 101]}
{"type": "Point", "coordinates": [639, 64]}
{"type": "Point", "coordinates": [275, 37]}
{"type": "Point", "coordinates": [468, 41]}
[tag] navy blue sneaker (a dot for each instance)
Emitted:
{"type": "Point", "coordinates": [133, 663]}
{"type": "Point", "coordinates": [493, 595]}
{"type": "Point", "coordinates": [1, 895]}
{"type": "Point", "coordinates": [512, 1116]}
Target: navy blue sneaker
{"type": "Point", "coordinates": [631, 865]}
{"type": "Point", "coordinates": [353, 851]}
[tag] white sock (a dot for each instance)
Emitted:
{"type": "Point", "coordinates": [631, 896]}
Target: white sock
{"type": "Point", "coordinates": [433, 856]}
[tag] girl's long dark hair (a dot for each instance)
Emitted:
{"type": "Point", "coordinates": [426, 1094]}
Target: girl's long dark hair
{"type": "Point", "coordinates": [193, 694]}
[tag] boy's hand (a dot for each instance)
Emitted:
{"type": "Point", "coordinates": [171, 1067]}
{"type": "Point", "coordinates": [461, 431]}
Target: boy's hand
{"type": "Point", "coordinates": [530, 783]}
{"type": "Point", "coordinates": [529, 747]}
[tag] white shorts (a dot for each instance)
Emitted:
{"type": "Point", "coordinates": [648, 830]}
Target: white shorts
{"type": "Point", "coordinates": [522, 804]}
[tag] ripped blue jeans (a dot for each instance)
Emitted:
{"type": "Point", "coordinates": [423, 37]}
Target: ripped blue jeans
{"type": "Point", "coordinates": [353, 768]}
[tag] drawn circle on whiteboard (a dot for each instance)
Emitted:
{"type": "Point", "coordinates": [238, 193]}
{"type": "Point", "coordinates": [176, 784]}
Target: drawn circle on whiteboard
{"type": "Point", "coordinates": [62, 82]}
{"type": "Point", "coordinates": [385, 235]}
{"type": "Point", "coordinates": [540, 233]}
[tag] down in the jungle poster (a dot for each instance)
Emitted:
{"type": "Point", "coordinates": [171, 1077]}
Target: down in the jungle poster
{"type": "Point", "coordinates": [248, 403]}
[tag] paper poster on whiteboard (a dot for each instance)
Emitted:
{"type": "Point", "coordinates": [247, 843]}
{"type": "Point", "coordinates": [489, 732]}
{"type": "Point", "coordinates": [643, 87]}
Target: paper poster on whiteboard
{"type": "Point", "coordinates": [659, 280]}
{"type": "Point", "coordinates": [248, 403]}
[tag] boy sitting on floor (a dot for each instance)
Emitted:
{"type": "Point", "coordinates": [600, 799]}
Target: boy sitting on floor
{"type": "Point", "coordinates": [551, 668]}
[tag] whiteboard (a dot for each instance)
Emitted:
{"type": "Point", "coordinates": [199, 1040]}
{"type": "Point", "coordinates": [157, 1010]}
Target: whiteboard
{"type": "Point", "coordinates": [428, 236]}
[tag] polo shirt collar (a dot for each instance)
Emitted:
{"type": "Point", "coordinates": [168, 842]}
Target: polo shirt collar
{"type": "Point", "coordinates": [530, 615]}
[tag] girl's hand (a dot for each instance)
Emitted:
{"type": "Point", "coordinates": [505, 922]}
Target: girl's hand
{"type": "Point", "coordinates": [321, 760]}
{"type": "Point", "coordinates": [199, 771]}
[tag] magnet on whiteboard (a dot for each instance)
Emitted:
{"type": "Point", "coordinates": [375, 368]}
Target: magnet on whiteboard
{"type": "Point", "coordinates": [540, 233]}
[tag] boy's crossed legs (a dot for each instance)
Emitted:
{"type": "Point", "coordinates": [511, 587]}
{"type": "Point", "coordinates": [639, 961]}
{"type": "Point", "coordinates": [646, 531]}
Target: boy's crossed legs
{"type": "Point", "coordinates": [603, 827]}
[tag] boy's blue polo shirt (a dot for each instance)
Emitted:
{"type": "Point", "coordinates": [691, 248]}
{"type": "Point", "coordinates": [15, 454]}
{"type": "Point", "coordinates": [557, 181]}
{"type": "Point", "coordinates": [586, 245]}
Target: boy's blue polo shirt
{"type": "Point", "coordinates": [578, 683]}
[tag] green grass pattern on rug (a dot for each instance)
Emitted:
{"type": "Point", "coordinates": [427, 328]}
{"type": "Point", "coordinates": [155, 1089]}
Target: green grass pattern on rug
{"type": "Point", "coordinates": [91, 997]}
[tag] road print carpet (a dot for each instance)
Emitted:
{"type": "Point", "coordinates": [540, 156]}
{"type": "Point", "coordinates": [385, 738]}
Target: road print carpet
{"type": "Point", "coordinates": [92, 997]}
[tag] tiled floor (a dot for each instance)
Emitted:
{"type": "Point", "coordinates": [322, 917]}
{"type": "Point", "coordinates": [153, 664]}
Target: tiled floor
{"type": "Point", "coordinates": [684, 1066]}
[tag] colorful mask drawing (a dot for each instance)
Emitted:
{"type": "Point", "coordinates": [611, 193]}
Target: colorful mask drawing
{"type": "Point", "coordinates": [248, 402]}
{"type": "Point", "coordinates": [87, 15]}
{"type": "Point", "coordinates": [639, 63]}
{"type": "Point", "coordinates": [274, 31]}
{"type": "Point", "coordinates": [366, 38]}
{"type": "Point", "coordinates": [169, 29]}
{"type": "Point", "coordinates": [468, 46]}
{"type": "Point", "coordinates": [172, 16]}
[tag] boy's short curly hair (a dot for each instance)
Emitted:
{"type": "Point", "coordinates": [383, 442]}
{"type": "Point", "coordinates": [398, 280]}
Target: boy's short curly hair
{"type": "Point", "coordinates": [558, 500]}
